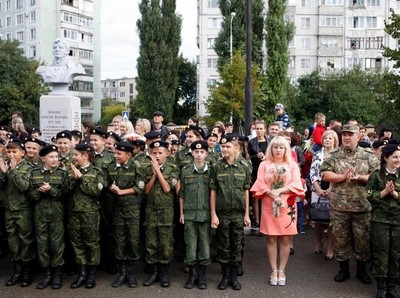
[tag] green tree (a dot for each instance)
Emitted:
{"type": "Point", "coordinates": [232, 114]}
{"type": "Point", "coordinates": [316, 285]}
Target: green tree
{"type": "Point", "coordinates": [228, 96]}
{"type": "Point", "coordinates": [20, 87]}
{"type": "Point", "coordinates": [279, 34]}
{"type": "Point", "coordinates": [185, 96]}
{"type": "Point", "coordinates": [222, 42]}
{"type": "Point", "coordinates": [393, 29]}
{"type": "Point", "coordinates": [160, 38]}
{"type": "Point", "coordinates": [108, 113]}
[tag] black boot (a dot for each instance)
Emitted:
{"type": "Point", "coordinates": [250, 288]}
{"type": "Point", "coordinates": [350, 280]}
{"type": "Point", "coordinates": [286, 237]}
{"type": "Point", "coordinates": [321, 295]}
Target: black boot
{"type": "Point", "coordinates": [81, 279]}
{"type": "Point", "coordinates": [381, 286]}
{"type": "Point", "coordinates": [233, 278]}
{"type": "Point", "coordinates": [344, 272]}
{"type": "Point", "coordinates": [91, 279]}
{"type": "Point", "coordinates": [26, 279]}
{"type": "Point", "coordinates": [223, 284]}
{"type": "Point", "coordinates": [16, 277]}
{"type": "Point", "coordinates": [57, 279]}
{"type": "Point", "coordinates": [46, 281]}
{"type": "Point", "coordinates": [164, 275]}
{"type": "Point", "coordinates": [153, 277]}
{"type": "Point", "coordinates": [130, 274]}
{"type": "Point", "coordinates": [240, 270]}
{"type": "Point", "coordinates": [121, 276]}
{"type": "Point", "coordinates": [362, 272]}
{"type": "Point", "coordinates": [390, 288]}
{"type": "Point", "coordinates": [201, 282]}
{"type": "Point", "coordinates": [192, 277]}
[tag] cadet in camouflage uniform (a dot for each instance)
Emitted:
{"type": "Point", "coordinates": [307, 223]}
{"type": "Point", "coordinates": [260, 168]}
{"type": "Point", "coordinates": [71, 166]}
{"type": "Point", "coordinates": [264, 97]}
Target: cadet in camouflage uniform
{"type": "Point", "coordinates": [184, 156]}
{"type": "Point", "coordinates": [14, 177]}
{"type": "Point", "coordinates": [46, 188]}
{"type": "Point", "coordinates": [383, 190]}
{"type": "Point", "coordinates": [348, 169]}
{"type": "Point", "coordinates": [194, 201]}
{"type": "Point", "coordinates": [126, 184]}
{"type": "Point", "coordinates": [86, 182]}
{"type": "Point", "coordinates": [32, 147]}
{"type": "Point", "coordinates": [160, 213]}
{"type": "Point", "coordinates": [102, 158]}
{"type": "Point", "coordinates": [65, 148]}
{"type": "Point", "coordinates": [229, 203]}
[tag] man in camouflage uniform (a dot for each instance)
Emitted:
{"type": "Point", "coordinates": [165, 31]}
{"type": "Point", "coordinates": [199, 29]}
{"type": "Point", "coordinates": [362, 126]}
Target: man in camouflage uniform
{"type": "Point", "coordinates": [160, 213]}
{"type": "Point", "coordinates": [46, 188]}
{"type": "Point", "coordinates": [86, 182]}
{"type": "Point", "coordinates": [348, 169]}
{"type": "Point", "coordinates": [125, 185]}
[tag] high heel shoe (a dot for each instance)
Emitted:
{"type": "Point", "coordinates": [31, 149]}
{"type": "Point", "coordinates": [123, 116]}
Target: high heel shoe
{"type": "Point", "coordinates": [273, 280]}
{"type": "Point", "coordinates": [281, 280]}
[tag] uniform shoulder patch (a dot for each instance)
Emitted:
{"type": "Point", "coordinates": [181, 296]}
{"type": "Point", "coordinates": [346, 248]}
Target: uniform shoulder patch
{"type": "Point", "coordinates": [369, 192]}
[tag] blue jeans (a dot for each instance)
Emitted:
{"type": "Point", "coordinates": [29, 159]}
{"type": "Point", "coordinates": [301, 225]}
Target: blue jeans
{"type": "Point", "coordinates": [300, 206]}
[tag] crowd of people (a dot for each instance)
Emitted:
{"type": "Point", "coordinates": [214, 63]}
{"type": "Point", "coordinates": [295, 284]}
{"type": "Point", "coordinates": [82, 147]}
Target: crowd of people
{"type": "Point", "coordinates": [96, 197]}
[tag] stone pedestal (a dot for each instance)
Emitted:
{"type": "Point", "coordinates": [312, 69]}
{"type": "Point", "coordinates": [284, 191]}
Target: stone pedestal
{"type": "Point", "coordinates": [57, 113]}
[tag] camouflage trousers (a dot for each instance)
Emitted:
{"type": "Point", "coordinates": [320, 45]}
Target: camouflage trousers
{"type": "Point", "coordinates": [351, 233]}
{"type": "Point", "coordinates": [230, 237]}
{"type": "Point", "coordinates": [385, 240]}
{"type": "Point", "coordinates": [127, 236]}
{"type": "Point", "coordinates": [50, 242]}
{"type": "Point", "coordinates": [85, 239]}
{"type": "Point", "coordinates": [197, 239]}
{"type": "Point", "coordinates": [21, 236]}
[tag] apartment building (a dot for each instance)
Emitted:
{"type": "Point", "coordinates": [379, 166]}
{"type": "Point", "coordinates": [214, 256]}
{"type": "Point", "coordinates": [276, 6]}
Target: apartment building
{"type": "Point", "coordinates": [119, 90]}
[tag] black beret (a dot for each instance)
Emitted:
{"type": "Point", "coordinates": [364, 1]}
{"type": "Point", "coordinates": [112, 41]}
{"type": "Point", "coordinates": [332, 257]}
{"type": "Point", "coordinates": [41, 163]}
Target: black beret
{"type": "Point", "coordinates": [6, 128]}
{"type": "Point", "coordinates": [174, 142]}
{"type": "Point", "coordinates": [364, 144]}
{"type": "Point", "coordinates": [158, 113]}
{"type": "Point", "coordinates": [64, 134]}
{"type": "Point", "coordinates": [84, 147]}
{"type": "Point", "coordinates": [11, 136]}
{"type": "Point", "coordinates": [123, 146]}
{"type": "Point", "coordinates": [212, 135]}
{"type": "Point", "coordinates": [158, 144]}
{"type": "Point", "coordinates": [114, 136]}
{"type": "Point", "coordinates": [151, 135]}
{"type": "Point", "coordinates": [99, 132]}
{"type": "Point", "coordinates": [137, 142]}
{"type": "Point", "coordinates": [199, 145]}
{"type": "Point", "coordinates": [76, 133]}
{"type": "Point", "coordinates": [391, 147]}
{"type": "Point", "coordinates": [379, 143]}
{"type": "Point", "coordinates": [2, 142]}
{"type": "Point", "coordinates": [198, 128]}
{"type": "Point", "coordinates": [34, 140]}
{"type": "Point", "coordinates": [229, 138]}
{"type": "Point", "coordinates": [17, 141]}
{"type": "Point", "coordinates": [47, 149]}
{"type": "Point", "coordinates": [243, 138]}
{"type": "Point", "coordinates": [34, 129]}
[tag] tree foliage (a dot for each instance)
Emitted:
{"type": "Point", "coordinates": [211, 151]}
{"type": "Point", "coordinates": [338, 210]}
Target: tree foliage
{"type": "Point", "coordinates": [20, 87]}
{"type": "Point", "coordinates": [228, 96]}
{"type": "Point", "coordinates": [222, 42]}
{"type": "Point", "coordinates": [393, 29]}
{"type": "Point", "coordinates": [160, 38]}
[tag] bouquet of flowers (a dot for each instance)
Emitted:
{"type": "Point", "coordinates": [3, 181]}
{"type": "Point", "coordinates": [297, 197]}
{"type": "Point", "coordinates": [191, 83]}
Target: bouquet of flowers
{"type": "Point", "coordinates": [278, 182]}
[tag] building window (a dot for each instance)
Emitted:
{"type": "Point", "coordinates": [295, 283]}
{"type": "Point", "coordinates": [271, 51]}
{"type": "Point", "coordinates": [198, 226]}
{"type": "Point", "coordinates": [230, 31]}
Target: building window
{"type": "Point", "coordinates": [113, 84]}
{"type": "Point", "coordinates": [74, 3]}
{"type": "Point", "coordinates": [33, 2]}
{"type": "Point", "coordinates": [376, 3]}
{"type": "Point", "coordinates": [212, 62]}
{"type": "Point", "coordinates": [291, 43]}
{"type": "Point", "coordinates": [358, 22]}
{"type": "Point", "coordinates": [356, 43]}
{"type": "Point", "coordinates": [8, 4]}
{"type": "Point", "coordinates": [330, 21]}
{"type": "Point", "coordinates": [331, 2]}
{"type": "Point", "coordinates": [19, 4]}
{"type": "Point", "coordinates": [8, 22]}
{"type": "Point", "coordinates": [305, 3]}
{"type": "Point", "coordinates": [305, 23]}
{"type": "Point", "coordinates": [371, 63]}
{"type": "Point", "coordinates": [373, 42]}
{"type": "Point", "coordinates": [212, 3]}
{"type": "Point", "coordinates": [1, 6]}
{"type": "Point", "coordinates": [33, 34]}
{"type": "Point", "coordinates": [33, 51]}
{"type": "Point", "coordinates": [19, 19]}
{"type": "Point", "coordinates": [292, 63]}
{"type": "Point", "coordinates": [214, 23]}
{"type": "Point", "coordinates": [20, 36]}
{"type": "Point", "coordinates": [372, 22]}
{"type": "Point", "coordinates": [121, 94]}
{"type": "Point", "coordinates": [32, 16]}
{"type": "Point", "coordinates": [1, 23]}
{"type": "Point", "coordinates": [211, 83]}
{"type": "Point", "coordinates": [305, 63]}
{"type": "Point", "coordinates": [354, 62]}
{"type": "Point", "coordinates": [70, 34]}
{"type": "Point", "coordinates": [88, 38]}
{"type": "Point", "coordinates": [210, 43]}
{"type": "Point", "coordinates": [357, 3]}
{"type": "Point", "coordinates": [306, 43]}
{"type": "Point", "coordinates": [122, 84]}
{"type": "Point", "coordinates": [8, 36]}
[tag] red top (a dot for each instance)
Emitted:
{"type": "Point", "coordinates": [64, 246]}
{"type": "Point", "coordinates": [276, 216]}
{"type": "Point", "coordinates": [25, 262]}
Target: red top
{"type": "Point", "coordinates": [317, 134]}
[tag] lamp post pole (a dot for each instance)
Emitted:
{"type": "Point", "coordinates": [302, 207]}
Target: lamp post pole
{"type": "Point", "coordinates": [233, 14]}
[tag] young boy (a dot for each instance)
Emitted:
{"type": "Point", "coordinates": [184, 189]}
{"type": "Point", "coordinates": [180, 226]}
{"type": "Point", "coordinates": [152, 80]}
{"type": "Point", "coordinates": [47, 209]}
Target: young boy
{"type": "Point", "coordinates": [159, 189]}
{"type": "Point", "coordinates": [86, 182]}
{"type": "Point", "coordinates": [47, 187]}
{"type": "Point", "coordinates": [320, 128]}
{"type": "Point", "coordinates": [194, 203]}
{"type": "Point", "coordinates": [65, 148]}
{"type": "Point", "coordinates": [229, 204]}
{"type": "Point", "coordinates": [125, 184]}
{"type": "Point", "coordinates": [14, 177]}
{"type": "Point", "coordinates": [32, 148]}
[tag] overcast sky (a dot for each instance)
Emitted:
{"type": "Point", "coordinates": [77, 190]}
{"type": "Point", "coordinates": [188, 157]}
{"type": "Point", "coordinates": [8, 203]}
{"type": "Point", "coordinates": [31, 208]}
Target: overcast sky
{"type": "Point", "coordinates": [120, 40]}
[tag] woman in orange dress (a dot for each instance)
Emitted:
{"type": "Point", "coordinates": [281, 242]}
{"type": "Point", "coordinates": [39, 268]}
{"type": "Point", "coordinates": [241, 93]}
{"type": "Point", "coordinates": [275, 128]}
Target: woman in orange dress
{"type": "Point", "coordinates": [278, 184]}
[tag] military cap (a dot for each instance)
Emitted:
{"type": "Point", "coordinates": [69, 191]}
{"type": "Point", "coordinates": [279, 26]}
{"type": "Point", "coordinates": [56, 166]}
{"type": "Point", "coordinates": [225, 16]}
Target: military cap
{"type": "Point", "coordinates": [17, 141]}
{"type": "Point", "coordinates": [229, 138]}
{"type": "Point", "coordinates": [11, 136]}
{"type": "Point", "coordinates": [351, 128]}
{"type": "Point", "coordinates": [212, 135]}
{"type": "Point", "coordinates": [2, 142]}
{"type": "Point", "coordinates": [64, 134]}
{"type": "Point", "coordinates": [76, 133]}
{"type": "Point", "coordinates": [175, 142]}
{"type": "Point", "coordinates": [123, 146]}
{"type": "Point", "coordinates": [137, 142]}
{"type": "Point", "coordinates": [84, 147]}
{"type": "Point", "coordinates": [158, 113]}
{"type": "Point", "coordinates": [34, 129]}
{"type": "Point", "coordinates": [34, 140]}
{"type": "Point", "coordinates": [6, 128]}
{"type": "Point", "coordinates": [198, 128]}
{"type": "Point", "coordinates": [364, 144]}
{"type": "Point", "coordinates": [114, 136]}
{"type": "Point", "coordinates": [47, 149]}
{"type": "Point", "coordinates": [391, 147]}
{"type": "Point", "coordinates": [379, 143]}
{"type": "Point", "coordinates": [151, 135]}
{"type": "Point", "coordinates": [199, 145]}
{"type": "Point", "coordinates": [158, 144]}
{"type": "Point", "coordinates": [243, 138]}
{"type": "Point", "coordinates": [99, 132]}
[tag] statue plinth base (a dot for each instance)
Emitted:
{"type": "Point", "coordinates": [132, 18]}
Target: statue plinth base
{"type": "Point", "coordinates": [57, 113]}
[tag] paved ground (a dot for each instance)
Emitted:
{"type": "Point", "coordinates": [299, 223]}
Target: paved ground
{"type": "Point", "coordinates": [308, 275]}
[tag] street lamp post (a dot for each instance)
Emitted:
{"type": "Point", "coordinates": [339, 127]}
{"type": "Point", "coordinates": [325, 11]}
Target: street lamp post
{"type": "Point", "coordinates": [233, 14]}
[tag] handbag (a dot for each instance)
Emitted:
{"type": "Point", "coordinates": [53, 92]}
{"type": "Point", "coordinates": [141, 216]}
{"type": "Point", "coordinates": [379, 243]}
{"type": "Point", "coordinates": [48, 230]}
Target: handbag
{"type": "Point", "coordinates": [319, 212]}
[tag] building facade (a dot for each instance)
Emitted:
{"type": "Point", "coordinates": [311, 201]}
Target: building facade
{"type": "Point", "coordinates": [330, 34]}
{"type": "Point", "coordinates": [37, 23]}
{"type": "Point", "coordinates": [119, 90]}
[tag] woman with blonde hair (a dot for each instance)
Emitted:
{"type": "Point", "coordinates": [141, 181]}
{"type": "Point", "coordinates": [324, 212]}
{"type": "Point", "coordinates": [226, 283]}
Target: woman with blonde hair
{"type": "Point", "coordinates": [142, 126]}
{"type": "Point", "coordinates": [278, 184]}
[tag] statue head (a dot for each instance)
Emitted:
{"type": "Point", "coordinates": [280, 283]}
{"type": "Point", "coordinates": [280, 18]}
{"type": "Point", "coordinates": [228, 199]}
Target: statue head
{"type": "Point", "coordinates": [60, 49]}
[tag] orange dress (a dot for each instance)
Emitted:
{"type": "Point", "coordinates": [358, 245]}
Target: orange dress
{"type": "Point", "coordinates": [271, 176]}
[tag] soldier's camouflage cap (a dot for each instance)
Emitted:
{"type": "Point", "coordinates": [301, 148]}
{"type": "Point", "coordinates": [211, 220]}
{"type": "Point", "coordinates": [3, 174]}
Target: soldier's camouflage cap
{"type": "Point", "coordinates": [351, 128]}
